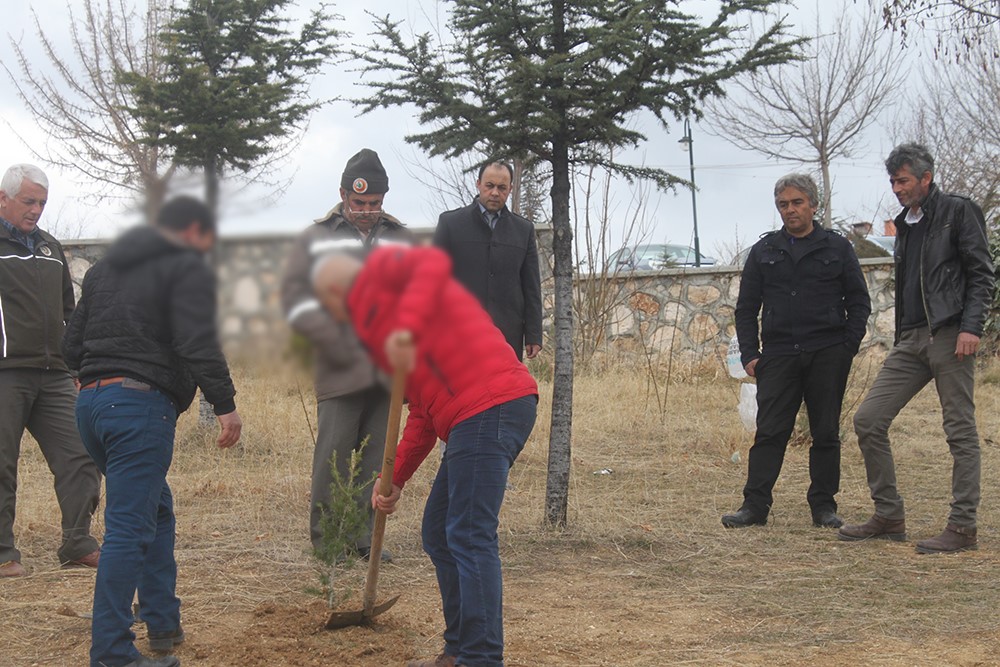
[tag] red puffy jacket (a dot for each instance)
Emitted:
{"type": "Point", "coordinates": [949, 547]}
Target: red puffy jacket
{"type": "Point", "coordinates": [464, 364]}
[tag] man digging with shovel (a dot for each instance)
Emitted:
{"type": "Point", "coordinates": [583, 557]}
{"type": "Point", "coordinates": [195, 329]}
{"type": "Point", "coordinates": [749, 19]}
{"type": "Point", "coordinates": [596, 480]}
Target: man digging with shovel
{"type": "Point", "coordinates": [465, 386]}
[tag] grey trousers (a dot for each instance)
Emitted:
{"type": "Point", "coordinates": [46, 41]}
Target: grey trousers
{"type": "Point", "coordinates": [344, 423]}
{"type": "Point", "coordinates": [911, 364]}
{"type": "Point", "coordinates": [44, 402]}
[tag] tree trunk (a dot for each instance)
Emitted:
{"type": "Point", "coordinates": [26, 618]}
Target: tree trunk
{"type": "Point", "coordinates": [557, 487]}
{"type": "Point", "coordinates": [827, 193]}
{"type": "Point", "coordinates": [557, 484]}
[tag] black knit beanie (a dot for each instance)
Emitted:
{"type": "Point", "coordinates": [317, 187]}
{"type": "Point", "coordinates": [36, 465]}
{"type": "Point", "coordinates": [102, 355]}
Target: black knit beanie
{"type": "Point", "coordinates": [364, 174]}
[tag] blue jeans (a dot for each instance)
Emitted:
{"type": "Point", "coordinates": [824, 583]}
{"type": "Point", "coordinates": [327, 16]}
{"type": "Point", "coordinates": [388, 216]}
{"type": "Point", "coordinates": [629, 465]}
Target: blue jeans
{"type": "Point", "coordinates": [460, 528]}
{"type": "Point", "coordinates": [130, 435]}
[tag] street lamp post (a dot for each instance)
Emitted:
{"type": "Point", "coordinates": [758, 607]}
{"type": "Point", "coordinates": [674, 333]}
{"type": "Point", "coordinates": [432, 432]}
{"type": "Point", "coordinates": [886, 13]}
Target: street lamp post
{"type": "Point", "coordinates": [687, 145]}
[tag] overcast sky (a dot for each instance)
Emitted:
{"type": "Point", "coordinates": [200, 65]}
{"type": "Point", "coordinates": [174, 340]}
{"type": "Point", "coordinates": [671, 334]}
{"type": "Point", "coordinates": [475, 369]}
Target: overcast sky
{"type": "Point", "coordinates": [734, 199]}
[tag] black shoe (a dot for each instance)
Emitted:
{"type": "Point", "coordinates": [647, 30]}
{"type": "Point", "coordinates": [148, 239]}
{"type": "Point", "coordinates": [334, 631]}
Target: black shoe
{"type": "Point", "coordinates": [364, 552]}
{"type": "Point", "coordinates": [743, 518]}
{"type": "Point", "coordinates": [827, 519]}
{"type": "Point", "coordinates": [165, 641]}
{"type": "Point", "coordinates": [165, 661]}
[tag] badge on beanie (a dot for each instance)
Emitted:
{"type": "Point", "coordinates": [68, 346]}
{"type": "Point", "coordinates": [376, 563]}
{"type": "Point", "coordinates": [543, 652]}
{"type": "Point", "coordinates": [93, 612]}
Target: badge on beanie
{"type": "Point", "coordinates": [360, 186]}
{"type": "Point", "coordinates": [46, 251]}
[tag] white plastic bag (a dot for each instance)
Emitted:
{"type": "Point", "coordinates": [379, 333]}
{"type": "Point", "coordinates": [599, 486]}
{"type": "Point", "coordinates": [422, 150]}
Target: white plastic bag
{"type": "Point", "coordinates": [748, 405]}
{"type": "Point", "coordinates": [733, 363]}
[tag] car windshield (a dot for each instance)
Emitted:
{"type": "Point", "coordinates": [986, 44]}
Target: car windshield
{"type": "Point", "coordinates": [664, 254]}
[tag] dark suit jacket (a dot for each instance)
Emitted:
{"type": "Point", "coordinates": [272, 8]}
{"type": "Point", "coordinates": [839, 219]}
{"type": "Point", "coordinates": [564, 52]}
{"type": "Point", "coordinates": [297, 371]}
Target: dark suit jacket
{"type": "Point", "coordinates": [500, 267]}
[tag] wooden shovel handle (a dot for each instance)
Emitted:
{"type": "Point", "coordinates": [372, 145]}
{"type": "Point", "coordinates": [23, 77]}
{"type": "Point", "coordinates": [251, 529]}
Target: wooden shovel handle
{"type": "Point", "coordinates": [392, 431]}
{"type": "Point", "coordinates": [384, 489]}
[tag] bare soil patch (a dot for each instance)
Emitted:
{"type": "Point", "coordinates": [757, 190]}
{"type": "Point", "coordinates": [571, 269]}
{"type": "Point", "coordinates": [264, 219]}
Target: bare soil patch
{"type": "Point", "coordinates": [644, 575]}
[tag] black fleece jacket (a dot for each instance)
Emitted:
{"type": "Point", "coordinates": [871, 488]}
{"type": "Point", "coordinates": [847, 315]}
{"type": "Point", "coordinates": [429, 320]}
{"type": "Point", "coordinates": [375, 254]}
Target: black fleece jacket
{"type": "Point", "coordinates": [148, 312]}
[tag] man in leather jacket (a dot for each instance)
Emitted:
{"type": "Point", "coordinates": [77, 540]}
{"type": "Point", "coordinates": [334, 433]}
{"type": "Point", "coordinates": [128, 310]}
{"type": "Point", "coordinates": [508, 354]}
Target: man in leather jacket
{"type": "Point", "coordinates": [944, 287]}
{"type": "Point", "coordinates": [809, 284]}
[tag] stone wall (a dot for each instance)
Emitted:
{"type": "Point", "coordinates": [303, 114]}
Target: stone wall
{"type": "Point", "coordinates": [689, 312]}
{"type": "Point", "coordinates": [685, 311]}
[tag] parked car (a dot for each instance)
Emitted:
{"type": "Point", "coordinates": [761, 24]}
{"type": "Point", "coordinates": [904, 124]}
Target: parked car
{"type": "Point", "coordinates": [654, 256]}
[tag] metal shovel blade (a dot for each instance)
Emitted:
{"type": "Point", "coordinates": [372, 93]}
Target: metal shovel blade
{"type": "Point", "coordinates": [343, 619]}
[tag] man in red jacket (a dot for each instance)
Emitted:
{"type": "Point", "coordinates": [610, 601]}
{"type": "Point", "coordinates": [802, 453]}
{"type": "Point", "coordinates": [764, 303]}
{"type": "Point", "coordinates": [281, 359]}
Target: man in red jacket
{"type": "Point", "coordinates": [465, 386]}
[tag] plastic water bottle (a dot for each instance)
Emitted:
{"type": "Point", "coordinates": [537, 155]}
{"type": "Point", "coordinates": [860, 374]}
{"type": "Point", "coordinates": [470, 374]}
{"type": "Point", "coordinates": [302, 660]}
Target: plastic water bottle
{"type": "Point", "coordinates": [733, 363]}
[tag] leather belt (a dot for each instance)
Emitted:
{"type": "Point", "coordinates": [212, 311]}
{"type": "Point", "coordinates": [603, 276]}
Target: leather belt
{"type": "Point", "coordinates": [102, 382]}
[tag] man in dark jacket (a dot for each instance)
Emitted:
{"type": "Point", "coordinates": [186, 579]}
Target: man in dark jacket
{"type": "Point", "coordinates": [351, 403]}
{"type": "Point", "coordinates": [495, 256]}
{"type": "Point", "coordinates": [143, 339]}
{"type": "Point", "coordinates": [36, 390]}
{"type": "Point", "coordinates": [815, 312]}
{"type": "Point", "coordinates": [944, 289]}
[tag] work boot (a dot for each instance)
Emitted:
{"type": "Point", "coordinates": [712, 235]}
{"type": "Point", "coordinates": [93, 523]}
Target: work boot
{"type": "Point", "coordinates": [12, 569]}
{"type": "Point", "coordinates": [953, 539]}
{"type": "Point", "coordinates": [827, 519]}
{"type": "Point", "coordinates": [876, 528]}
{"type": "Point", "coordinates": [90, 560]}
{"type": "Point", "coordinates": [443, 660]}
{"type": "Point", "coordinates": [165, 661]}
{"type": "Point", "coordinates": [166, 640]}
{"type": "Point", "coordinates": [386, 557]}
{"type": "Point", "coordinates": [744, 518]}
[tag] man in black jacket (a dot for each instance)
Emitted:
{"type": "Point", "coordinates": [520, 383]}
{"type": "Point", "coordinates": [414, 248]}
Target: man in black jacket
{"type": "Point", "coordinates": [143, 339]}
{"type": "Point", "coordinates": [36, 390]}
{"type": "Point", "coordinates": [815, 312]}
{"type": "Point", "coordinates": [944, 289]}
{"type": "Point", "coordinates": [494, 255]}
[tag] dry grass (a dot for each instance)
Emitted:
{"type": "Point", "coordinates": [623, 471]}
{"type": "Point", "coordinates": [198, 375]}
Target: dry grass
{"type": "Point", "coordinates": [644, 574]}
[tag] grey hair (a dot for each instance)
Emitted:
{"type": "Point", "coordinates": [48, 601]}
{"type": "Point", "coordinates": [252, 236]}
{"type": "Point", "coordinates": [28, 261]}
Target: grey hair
{"type": "Point", "coordinates": [803, 182]}
{"type": "Point", "coordinates": [915, 156]}
{"type": "Point", "coordinates": [15, 177]}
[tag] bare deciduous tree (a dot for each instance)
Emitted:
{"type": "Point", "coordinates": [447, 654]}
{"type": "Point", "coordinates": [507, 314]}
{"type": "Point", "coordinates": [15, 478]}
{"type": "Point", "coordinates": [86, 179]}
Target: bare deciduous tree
{"type": "Point", "coordinates": [813, 111]}
{"type": "Point", "coordinates": [597, 292]}
{"type": "Point", "coordinates": [963, 26]}
{"type": "Point", "coordinates": [83, 106]}
{"type": "Point", "coordinates": [958, 121]}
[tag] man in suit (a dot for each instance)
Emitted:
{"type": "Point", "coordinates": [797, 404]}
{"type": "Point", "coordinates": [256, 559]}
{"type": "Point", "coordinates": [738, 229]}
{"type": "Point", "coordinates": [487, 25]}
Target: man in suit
{"type": "Point", "coordinates": [494, 255]}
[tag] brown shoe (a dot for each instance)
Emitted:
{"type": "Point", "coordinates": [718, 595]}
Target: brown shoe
{"type": "Point", "coordinates": [443, 660]}
{"type": "Point", "coordinates": [954, 538]}
{"type": "Point", "coordinates": [12, 569]}
{"type": "Point", "coordinates": [876, 528]}
{"type": "Point", "coordinates": [90, 560]}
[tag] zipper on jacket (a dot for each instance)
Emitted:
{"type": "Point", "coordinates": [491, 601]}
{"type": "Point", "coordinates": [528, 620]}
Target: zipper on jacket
{"type": "Point", "coordinates": [45, 314]}
{"type": "Point", "coordinates": [438, 374]}
{"type": "Point", "coordinates": [923, 295]}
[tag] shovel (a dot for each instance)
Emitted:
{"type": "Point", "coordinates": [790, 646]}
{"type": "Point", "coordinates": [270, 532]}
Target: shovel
{"type": "Point", "coordinates": [342, 619]}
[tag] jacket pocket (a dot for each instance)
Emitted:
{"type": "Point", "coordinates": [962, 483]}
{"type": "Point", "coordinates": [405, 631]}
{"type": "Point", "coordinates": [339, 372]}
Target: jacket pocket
{"type": "Point", "coordinates": [827, 265]}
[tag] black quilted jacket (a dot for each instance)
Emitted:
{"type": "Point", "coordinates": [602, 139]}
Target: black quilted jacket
{"type": "Point", "coordinates": [148, 312]}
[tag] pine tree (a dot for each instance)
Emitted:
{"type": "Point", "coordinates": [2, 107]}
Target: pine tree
{"type": "Point", "coordinates": [236, 88]}
{"type": "Point", "coordinates": [553, 80]}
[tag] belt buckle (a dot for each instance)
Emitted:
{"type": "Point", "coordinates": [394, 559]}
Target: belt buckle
{"type": "Point", "coordinates": [129, 383]}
